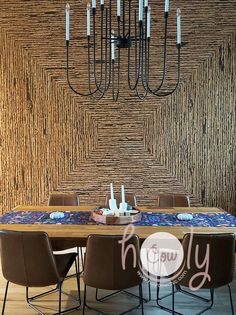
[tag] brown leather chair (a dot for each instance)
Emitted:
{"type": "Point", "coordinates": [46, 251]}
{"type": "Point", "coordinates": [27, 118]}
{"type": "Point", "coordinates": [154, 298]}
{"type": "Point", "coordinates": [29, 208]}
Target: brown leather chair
{"type": "Point", "coordinates": [63, 200]}
{"type": "Point", "coordinates": [221, 260]}
{"type": "Point", "coordinates": [103, 266]}
{"type": "Point", "coordinates": [173, 200]}
{"type": "Point", "coordinates": [130, 198]}
{"type": "Point", "coordinates": [27, 260]}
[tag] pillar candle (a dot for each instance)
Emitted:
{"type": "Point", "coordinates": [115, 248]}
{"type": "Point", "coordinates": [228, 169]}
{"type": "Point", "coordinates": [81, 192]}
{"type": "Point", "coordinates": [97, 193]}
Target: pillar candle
{"type": "Point", "coordinates": [118, 7]}
{"type": "Point", "coordinates": [166, 5]}
{"type": "Point", "coordinates": [67, 21]}
{"type": "Point", "coordinates": [111, 189]}
{"type": "Point", "coordinates": [178, 26]}
{"type": "Point", "coordinates": [88, 19]}
{"type": "Point", "coordinates": [122, 193]}
{"type": "Point", "coordinates": [112, 46]}
{"type": "Point", "coordinates": [140, 10]}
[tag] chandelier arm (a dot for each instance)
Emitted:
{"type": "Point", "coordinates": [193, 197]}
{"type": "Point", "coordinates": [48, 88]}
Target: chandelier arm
{"type": "Point", "coordinates": [161, 94]}
{"type": "Point", "coordinates": [92, 94]}
{"type": "Point", "coordinates": [129, 49]}
{"type": "Point", "coordinates": [101, 65]}
{"type": "Point", "coordinates": [110, 65]}
{"type": "Point", "coordinates": [147, 63]}
{"type": "Point", "coordinates": [144, 56]}
{"type": "Point", "coordinates": [123, 18]}
{"type": "Point", "coordinates": [138, 69]}
{"type": "Point", "coordinates": [118, 79]}
{"type": "Point", "coordinates": [115, 97]}
{"type": "Point", "coordinates": [143, 96]}
{"type": "Point", "coordinates": [105, 86]}
{"type": "Point", "coordinates": [98, 86]}
{"type": "Point", "coordinates": [113, 78]}
{"type": "Point", "coordinates": [155, 90]}
{"type": "Point", "coordinates": [136, 44]}
{"type": "Point", "coordinates": [105, 61]}
{"type": "Point", "coordinates": [147, 55]}
{"type": "Point", "coordinates": [68, 76]}
{"type": "Point", "coordinates": [140, 52]}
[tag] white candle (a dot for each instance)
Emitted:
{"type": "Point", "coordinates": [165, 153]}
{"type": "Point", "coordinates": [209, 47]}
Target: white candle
{"type": "Point", "coordinates": [146, 3]}
{"type": "Point", "coordinates": [67, 21]}
{"type": "Point", "coordinates": [122, 193]}
{"type": "Point", "coordinates": [140, 10]}
{"type": "Point", "coordinates": [94, 4]}
{"type": "Point", "coordinates": [166, 5]}
{"type": "Point", "coordinates": [118, 7]}
{"type": "Point", "coordinates": [88, 19]}
{"type": "Point", "coordinates": [149, 22]}
{"type": "Point", "coordinates": [111, 189]}
{"type": "Point", "coordinates": [112, 45]}
{"type": "Point", "coordinates": [178, 26]}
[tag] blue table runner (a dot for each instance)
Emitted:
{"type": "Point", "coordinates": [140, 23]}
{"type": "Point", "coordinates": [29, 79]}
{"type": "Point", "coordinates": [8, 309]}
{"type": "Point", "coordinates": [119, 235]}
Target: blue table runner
{"type": "Point", "coordinates": [148, 219]}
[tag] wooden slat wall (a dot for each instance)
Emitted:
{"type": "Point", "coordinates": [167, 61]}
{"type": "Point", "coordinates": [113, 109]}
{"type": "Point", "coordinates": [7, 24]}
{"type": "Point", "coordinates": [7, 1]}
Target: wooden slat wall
{"type": "Point", "coordinates": [52, 140]}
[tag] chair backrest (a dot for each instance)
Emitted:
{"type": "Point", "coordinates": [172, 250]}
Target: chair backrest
{"type": "Point", "coordinates": [103, 263]}
{"type": "Point", "coordinates": [173, 200]}
{"type": "Point", "coordinates": [221, 259]}
{"type": "Point", "coordinates": [130, 198]}
{"type": "Point", "coordinates": [27, 258]}
{"type": "Point", "coordinates": [63, 200]}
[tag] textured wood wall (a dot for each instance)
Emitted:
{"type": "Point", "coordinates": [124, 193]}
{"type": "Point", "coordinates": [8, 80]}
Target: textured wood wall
{"type": "Point", "coordinates": [52, 140]}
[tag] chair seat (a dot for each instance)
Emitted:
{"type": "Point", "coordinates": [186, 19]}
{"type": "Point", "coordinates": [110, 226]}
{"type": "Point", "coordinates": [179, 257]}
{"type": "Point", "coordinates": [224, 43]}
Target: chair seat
{"type": "Point", "coordinates": [64, 263]}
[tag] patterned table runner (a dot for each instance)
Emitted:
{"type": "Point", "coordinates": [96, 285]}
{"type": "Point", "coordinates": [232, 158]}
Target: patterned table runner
{"type": "Point", "coordinates": [148, 219]}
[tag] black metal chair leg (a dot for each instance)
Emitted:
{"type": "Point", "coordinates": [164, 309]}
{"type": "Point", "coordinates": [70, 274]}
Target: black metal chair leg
{"type": "Point", "coordinates": [78, 281]}
{"type": "Point", "coordinates": [106, 296]}
{"type": "Point", "coordinates": [31, 305]}
{"type": "Point", "coordinates": [100, 299]}
{"type": "Point", "coordinates": [173, 298]}
{"type": "Point", "coordinates": [179, 289]}
{"type": "Point", "coordinates": [84, 304]}
{"type": "Point", "coordinates": [59, 308]}
{"type": "Point", "coordinates": [5, 298]}
{"type": "Point", "coordinates": [231, 301]}
{"type": "Point", "coordinates": [210, 306]}
{"type": "Point", "coordinates": [43, 294]}
{"type": "Point", "coordinates": [162, 306]}
{"type": "Point", "coordinates": [123, 313]}
{"type": "Point", "coordinates": [149, 291]}
{"type": "Point", "coordinates": [82, 257]}
{"type": "Point", "coordinates": [59, 289]}
{"type": "Point", "coordinates": [141, 297]}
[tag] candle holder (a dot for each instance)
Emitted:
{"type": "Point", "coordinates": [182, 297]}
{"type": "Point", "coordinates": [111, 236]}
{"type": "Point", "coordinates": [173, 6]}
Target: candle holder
{"type": "Point", "coordinates": [106, 216]}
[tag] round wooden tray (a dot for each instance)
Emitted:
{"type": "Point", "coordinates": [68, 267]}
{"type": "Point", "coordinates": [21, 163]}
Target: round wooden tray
{"type": "Point", "coordinates": [115, 220]}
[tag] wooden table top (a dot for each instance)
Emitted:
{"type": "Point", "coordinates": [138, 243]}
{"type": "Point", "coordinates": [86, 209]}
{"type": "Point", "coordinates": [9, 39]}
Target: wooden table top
{"type": "Point", "coordinates": [79, 233]}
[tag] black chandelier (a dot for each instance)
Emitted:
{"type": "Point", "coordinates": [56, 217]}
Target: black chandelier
{"type": "Point", "coordinates": [133, 34]}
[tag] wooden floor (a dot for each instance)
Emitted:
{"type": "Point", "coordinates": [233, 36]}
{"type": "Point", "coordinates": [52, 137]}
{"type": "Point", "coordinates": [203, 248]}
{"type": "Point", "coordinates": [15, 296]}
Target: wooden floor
{"type": "Point", "coordinates": [16, 304]}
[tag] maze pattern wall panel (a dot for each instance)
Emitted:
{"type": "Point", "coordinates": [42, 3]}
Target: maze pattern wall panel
{"type": "Point", "coordinates": [55, 141]}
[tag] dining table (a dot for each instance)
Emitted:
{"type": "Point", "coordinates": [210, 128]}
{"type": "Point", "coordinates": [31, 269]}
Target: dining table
{"type": "Point", "coordinates": [77, 223]}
